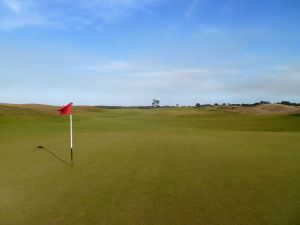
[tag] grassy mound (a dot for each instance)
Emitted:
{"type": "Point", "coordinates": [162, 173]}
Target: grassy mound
{"type": "Point", "coordinates": [266, 109]}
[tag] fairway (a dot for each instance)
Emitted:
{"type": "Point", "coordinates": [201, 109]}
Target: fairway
{"type": "Point", "coordinates": [177, 166]}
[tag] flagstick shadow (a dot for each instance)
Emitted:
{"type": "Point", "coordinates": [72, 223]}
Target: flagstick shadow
{"type": "Point", "coordinates": [55, 156]}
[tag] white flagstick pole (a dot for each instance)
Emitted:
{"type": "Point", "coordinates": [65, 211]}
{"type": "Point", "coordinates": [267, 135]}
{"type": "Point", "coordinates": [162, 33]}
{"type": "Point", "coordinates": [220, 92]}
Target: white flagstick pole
{"type": "Point", "coordinates": [71, 137]}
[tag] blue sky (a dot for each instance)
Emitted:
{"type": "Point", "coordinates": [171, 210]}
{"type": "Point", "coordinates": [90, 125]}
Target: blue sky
{"type": "Point", "coordinates": [127, 52]}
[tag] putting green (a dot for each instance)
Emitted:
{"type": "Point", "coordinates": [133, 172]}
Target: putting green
{"type": "Point", "coordinates": [149, 167]}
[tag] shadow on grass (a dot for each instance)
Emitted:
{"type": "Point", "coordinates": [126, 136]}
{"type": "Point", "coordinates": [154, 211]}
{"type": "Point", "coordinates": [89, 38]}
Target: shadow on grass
{"type": "Point", "coordinates": [55, 156]}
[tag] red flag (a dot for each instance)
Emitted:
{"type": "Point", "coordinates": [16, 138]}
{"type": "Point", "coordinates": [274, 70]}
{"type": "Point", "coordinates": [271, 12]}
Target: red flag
{"type": "Point", "coordinates": [66, 110]}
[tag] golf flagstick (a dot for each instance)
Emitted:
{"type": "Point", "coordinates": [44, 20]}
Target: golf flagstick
{"type": "Point", "coordinates": [67, 110]}
{"type": "Point", "coordinates": [71, 138]}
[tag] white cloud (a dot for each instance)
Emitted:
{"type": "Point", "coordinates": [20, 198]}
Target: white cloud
{"type": "Point", "coordinates": [132, 82]}
{"type": "Point", "coordinates": [128, 76]}
{"type": "Point", "coordinates": [65, 13]}
{"type": "Point", "coordinates": [116, 66]}
{"type": "Point", "coordinates": [192, 7]}
{"type": "Point", "coordinates": [13, 5]}
{"type": "Point", "coordinates": [279, 68]}
{"type": "Point", "coordinates": [206, 32]}
{"type": "Point", "coordinates": [279, 81]}
{"type": "Point", "coordinates": [190, 84]}
{"type": "Point", "coordinates": [128, 67]}
{"type": "Point", "coordinates": [17, 13]}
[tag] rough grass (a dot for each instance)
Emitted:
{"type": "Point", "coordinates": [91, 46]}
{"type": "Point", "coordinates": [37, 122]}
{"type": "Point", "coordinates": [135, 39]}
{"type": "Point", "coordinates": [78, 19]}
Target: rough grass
{"type": "Point", "coordinates": [265, 109]}
{"type": "Point", "coordinates": [163, 166]}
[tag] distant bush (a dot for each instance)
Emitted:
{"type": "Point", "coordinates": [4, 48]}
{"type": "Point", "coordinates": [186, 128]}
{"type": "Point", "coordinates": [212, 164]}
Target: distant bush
{"type": "Point", "coordinates": [289, 103]}
{"type": "Point", "coordinates": [155, 103]}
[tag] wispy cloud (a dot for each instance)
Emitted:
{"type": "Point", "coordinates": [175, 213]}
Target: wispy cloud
{"type": "Point", "coordinates": [195, 84]}
{"type": "Point", "coordinates": [13, 5]}
{"type": "Point", "coordinates": [192, 7]}
{"type": "Point", "coordinates": [116, 66]}
{"type": "Point", "coordinates": [17, 13]}
{"type": "Point", "coordinates": [280, 80]}
{"type": "Point", "coordinates": [131, 76]}
{"type": "Point", "coordinates": [132, 83]}
{"type": "Point", "coordinates": [65, 14]}
{"type": "Point", "coordinates": [140, 69]}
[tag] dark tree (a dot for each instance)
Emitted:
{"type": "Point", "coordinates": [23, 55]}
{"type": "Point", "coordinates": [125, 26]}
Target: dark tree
{"type": "Point", "coordinates": [155, 103]}
{"type": "Point", "coordinates": [264, 102]}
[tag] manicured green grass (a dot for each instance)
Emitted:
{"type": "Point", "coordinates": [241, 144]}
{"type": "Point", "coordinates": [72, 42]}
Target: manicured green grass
{"type": "Point", "coordinates": [149, 167]}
